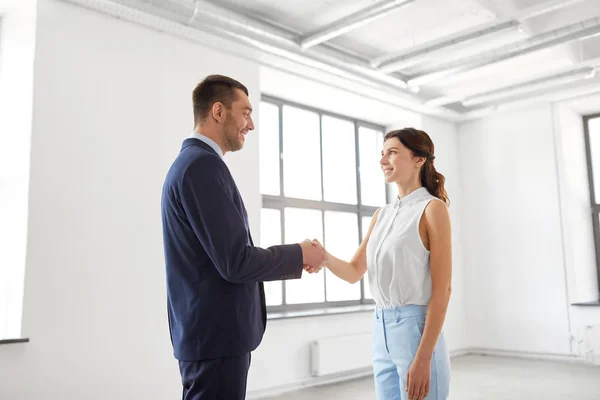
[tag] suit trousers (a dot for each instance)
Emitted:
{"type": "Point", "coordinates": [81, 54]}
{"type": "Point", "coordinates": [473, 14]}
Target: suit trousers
{"type": "Point", "coordinates": [216, 379]}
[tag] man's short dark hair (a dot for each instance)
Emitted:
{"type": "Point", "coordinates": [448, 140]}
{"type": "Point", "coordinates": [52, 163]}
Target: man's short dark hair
{"type": "Point", "coordinates": [214, 88]}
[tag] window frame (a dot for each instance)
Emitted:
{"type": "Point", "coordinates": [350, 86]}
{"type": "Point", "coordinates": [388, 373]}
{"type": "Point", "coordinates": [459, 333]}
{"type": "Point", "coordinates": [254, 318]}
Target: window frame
{"type": "Point", "coordinates": [595, 205]}
{"type": "Point", "coordinates": [280, 202]}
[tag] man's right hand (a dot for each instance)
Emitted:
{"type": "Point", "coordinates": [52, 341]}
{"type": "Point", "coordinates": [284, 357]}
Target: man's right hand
{"type": "Point", "coordinates": [313, 255]}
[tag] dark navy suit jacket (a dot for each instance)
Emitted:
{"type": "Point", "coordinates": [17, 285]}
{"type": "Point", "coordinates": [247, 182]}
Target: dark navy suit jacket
{"type": "Point", "coordinates": [215, 295]}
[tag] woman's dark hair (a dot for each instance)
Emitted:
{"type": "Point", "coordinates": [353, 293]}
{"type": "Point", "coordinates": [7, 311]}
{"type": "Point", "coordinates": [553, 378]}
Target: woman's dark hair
{"type": "Point", "coordinates": [421, 145]}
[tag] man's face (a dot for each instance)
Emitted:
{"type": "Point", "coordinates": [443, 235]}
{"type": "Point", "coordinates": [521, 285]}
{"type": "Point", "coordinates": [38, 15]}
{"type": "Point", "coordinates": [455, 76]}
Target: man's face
{"type": "Point", "coordinates": [238, 122]}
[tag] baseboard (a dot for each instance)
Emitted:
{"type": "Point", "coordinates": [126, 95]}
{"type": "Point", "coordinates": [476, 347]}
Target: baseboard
{"type": "Point", "coordinates": [325, 380]}
{"type": "Point", "coordinates": [459, 352]}
{"type": "Point", "coordinates": [570, 358]}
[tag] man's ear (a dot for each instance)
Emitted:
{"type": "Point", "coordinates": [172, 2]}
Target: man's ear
{"type": "Point", "coordinates": [218, 111]}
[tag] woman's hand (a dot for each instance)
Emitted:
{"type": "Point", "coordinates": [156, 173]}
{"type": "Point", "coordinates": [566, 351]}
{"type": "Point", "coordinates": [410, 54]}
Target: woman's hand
{"type": "Point", "coordinates": [418, 378]}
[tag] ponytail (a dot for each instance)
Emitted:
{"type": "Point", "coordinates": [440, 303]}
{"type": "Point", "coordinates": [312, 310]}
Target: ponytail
{"type": "Point", "coordinates": [433, 181]}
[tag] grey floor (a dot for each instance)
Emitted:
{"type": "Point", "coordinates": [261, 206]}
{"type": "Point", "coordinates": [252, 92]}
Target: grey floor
{"type": "Point", "coordinates": [488, 378]}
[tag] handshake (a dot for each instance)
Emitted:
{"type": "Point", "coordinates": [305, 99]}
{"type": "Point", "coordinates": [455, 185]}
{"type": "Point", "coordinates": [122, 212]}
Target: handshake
{"type": "Point", "coordinates": [314, 255]}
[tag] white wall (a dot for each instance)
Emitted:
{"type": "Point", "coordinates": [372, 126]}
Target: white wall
{"type": "Point", "coordinates": [17, 43]}
{"type": "Point", "coordinates": [282, 361]}
{"type": "Point", "coordinates": [527, 234]}
{"type": "Point", "coordinates": [112, 104]}
{"type": "Point", "coordinates": [300, 89]}
{"type": "Point", "coordinates": [512, 242]}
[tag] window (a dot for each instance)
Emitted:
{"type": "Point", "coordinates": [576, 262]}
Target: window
{"type": "Point", "coordinates": [17, 49]}
{"type": "Point", "coordinates": [320, 178]}
{"type": "Point", "coordinates": [592, 141]}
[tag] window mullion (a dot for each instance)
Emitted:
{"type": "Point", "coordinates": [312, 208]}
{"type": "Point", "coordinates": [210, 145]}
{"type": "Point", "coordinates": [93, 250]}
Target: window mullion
{"type": "Point", "coordinates": [281, 196]}
{"type": "Point", "coordinates": [323, 200]}
{"type": "Point", "coordinates": [358, 199]}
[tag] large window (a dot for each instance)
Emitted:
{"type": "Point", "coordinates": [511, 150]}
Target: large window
{"type": "Point", "coordinates": [592, 140]}
{"type": "Point", "coordinates": [320, 178]}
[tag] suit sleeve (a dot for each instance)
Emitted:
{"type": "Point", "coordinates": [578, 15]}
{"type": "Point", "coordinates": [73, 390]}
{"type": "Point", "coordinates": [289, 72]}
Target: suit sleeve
{"type": "Point", "coordinates": [221, 229]}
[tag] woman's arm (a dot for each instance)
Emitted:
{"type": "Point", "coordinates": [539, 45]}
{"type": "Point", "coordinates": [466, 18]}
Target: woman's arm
{"type": "Point", "coordinates": [354, 270]}
{"type": "Point", "coordinates": [437, 223]}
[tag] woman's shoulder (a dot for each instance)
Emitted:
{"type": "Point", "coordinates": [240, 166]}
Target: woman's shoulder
{"type": "Point", "coordinates": [435, 210]}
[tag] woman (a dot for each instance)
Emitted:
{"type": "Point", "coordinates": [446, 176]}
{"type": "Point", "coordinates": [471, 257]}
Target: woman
{"type": "Point", "coordinates": [407, 252]}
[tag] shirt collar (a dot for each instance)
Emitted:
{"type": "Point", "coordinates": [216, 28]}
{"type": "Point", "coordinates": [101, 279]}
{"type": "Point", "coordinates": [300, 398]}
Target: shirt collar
{"type": "Point", "coordinates": [411, 198]}
{"type": "Point", "coordinates": [209, 142]}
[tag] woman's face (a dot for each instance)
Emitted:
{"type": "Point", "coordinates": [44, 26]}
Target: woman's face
{"type": "Point", "coordinates": [398, 163]}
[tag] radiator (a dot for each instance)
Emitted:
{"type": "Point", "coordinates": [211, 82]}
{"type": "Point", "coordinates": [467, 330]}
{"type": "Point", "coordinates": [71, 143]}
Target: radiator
{"type": "Point", "coordinates": [342, 354]}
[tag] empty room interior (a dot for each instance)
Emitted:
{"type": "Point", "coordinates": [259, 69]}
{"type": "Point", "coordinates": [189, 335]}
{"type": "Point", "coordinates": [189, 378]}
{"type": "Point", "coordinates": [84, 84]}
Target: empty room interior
{"type": "Point", "coordinates": [96, 101]}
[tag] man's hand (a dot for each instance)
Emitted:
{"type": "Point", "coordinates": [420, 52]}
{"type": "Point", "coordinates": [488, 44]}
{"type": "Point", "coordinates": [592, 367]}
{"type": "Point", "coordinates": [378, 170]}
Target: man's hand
{"type": "Point", "coordinates": [313, 255]}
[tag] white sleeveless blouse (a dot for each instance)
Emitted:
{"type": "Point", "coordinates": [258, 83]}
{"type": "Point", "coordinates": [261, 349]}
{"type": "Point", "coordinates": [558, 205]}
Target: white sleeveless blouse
{"type": "Point", "coordinates": [397, 261]}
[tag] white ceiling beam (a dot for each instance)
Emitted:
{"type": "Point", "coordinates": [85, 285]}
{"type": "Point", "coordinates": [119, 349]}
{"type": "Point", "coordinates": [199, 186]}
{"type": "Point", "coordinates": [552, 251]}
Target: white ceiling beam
{"type": "Point", "coordinates": [352, 22]}
{"type": "Point", "coordinates": [396, 62]}
{"type": "Point", "coordinates": [390, 64]}
{"type": "Point", "coordinates": [548, 81]}
{"type": "Point", "coordinates": [524, 88]}
{"type": "Point", "coordinates": [568, 34]}
{"type": "Point", "coordinates": [554, 96]}
{"type": "Point", "coordinates": [546, 7]}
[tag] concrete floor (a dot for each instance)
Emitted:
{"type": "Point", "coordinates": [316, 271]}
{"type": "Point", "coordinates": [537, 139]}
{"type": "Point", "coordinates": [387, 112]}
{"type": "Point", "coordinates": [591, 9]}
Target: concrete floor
{"type": "Point", "coordinates": [488, 378]}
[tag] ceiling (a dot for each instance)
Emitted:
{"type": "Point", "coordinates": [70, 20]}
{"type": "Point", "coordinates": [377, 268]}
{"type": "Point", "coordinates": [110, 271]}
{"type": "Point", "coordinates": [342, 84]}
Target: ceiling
{"type": "Point", "coordinates": [460, 56]}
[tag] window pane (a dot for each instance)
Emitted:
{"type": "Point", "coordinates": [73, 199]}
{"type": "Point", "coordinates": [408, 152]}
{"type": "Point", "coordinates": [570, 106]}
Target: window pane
{"type": "Point", "coordinates": [301, 154]}
{"type": "Point", "coordinates": [594, 129]}
{"type": "Point", "coordinates": [303, 224]}
{"type": "Point", "coordinates": [372, 183]}
{"type": "Point", "coordinates": [366, 222]}
{"type": "Point", "coordinates": [341, 240]}
{"type": "Point", "coordinates": [268, 139]}
{"type": "Point", "coordinates": [270, 235]}
{"type": "Point", "coordinates": [339, 161]}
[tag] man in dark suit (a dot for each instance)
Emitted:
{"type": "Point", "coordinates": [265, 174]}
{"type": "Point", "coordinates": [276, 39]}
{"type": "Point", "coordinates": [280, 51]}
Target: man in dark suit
{"type": "Point", "coordinates": [215, 295]}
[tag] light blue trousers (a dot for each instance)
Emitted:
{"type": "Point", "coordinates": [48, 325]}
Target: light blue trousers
{"type": "Point", "coordinates": [397, 333]}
